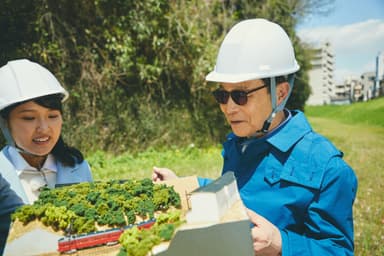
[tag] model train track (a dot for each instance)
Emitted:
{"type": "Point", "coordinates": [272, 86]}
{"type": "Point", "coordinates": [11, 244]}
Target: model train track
{"type": "Point", "coordinates": [72, 243]}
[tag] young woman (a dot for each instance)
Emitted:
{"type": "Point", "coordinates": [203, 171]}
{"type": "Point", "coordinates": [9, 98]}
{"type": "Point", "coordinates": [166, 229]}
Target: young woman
{"type": "Point", "coordinates": [31, 120]}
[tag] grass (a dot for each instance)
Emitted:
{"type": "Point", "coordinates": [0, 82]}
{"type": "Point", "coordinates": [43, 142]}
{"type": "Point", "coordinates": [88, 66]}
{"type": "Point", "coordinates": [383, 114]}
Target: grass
{"type": "Point", "coordinates": [357, 130]}
{"type": "Point", "coordinates": [363, 148]}
{"type": "Point", "coordinates": [369, 113]}
{"type": "Point", "coordinates": [205, 162]}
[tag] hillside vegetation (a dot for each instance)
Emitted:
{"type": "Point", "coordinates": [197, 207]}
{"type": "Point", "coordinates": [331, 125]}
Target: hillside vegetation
{"type": "Point", "coordinates": [370, 112]}
{"type": "Point", "coordinates": [135, 70]}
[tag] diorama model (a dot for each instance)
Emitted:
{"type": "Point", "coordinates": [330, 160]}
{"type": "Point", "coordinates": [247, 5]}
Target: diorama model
{"type": "Point", "coordinates": [92, 214]}
{"type": "Point", "coordinates": [216, 223]}
{"type": "Point", "coordinates": [210, 203]}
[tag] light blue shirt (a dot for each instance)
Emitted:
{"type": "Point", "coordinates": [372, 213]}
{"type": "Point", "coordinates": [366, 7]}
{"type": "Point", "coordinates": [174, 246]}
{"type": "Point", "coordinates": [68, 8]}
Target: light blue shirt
{"type": "Point", "coordinates": [9, 164]}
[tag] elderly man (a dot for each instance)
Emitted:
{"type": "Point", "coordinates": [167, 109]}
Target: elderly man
{"type": "Point", "coordinates": [298, 189]}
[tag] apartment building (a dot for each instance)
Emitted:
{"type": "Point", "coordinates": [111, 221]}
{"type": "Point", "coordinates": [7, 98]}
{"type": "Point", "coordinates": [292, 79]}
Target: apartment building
{"type": "Point", "coordinates": [321, 78]}
{"type": "Point", "coordinates": [368, 85]}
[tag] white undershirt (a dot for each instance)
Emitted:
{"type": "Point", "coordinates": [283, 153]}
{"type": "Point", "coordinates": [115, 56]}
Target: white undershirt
{"type": "Point", "coordinates": [30, 177]}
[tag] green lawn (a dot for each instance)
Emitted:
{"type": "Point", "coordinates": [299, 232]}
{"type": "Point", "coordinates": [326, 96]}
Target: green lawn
{"type": "Point", "coordinates": [357, 130]}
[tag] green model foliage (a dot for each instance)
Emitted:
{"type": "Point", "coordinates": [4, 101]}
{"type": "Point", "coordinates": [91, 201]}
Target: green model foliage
{"type": "Point", "coordinates": [138, 242]}
{"type": "Point", "coordinates": [79, 208]}
{"type": "Point", "coordinates": [135, 69]}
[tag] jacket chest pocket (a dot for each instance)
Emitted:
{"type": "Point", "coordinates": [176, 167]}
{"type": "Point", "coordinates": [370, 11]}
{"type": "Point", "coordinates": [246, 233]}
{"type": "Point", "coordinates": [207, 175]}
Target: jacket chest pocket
{"type": "Point", "coordinates": [294, 186]}
{"type": "Point", "coordinates": [295, 172]}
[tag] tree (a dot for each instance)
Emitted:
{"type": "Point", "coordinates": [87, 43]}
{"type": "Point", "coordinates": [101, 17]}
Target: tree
{"type": "Point", "coordinates": [135, 69]}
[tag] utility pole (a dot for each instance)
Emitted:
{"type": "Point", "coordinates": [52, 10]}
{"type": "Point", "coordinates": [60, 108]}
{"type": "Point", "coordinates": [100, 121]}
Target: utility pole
{"type": "Point", "coordinates": [379, 74]}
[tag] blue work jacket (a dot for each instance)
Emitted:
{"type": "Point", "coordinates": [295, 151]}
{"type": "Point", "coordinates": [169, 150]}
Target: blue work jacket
{"type": "Point", "coordinates": [297, 180]}
{"type": "Point", "coordinates": [9, 201]}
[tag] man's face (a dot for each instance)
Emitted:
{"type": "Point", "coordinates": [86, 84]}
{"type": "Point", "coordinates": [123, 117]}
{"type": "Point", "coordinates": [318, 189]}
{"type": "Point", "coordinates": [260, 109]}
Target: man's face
{"type": "Point", "coordinates": [246, 120]}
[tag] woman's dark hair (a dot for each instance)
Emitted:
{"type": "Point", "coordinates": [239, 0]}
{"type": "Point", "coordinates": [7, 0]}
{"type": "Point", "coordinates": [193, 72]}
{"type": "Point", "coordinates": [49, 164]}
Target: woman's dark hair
{"type": "Point", "coordinates": [67, 155]}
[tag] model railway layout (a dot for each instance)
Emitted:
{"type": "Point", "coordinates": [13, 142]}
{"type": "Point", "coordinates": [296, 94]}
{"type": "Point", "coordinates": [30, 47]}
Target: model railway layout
{"type": "Point", "coordinates": [139, 217]}
{"type": "Point", "coordinates": [72, 243]}
{"type": "Point", "coordinates": [99, 213]}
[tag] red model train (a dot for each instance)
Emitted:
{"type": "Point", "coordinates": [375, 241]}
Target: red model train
{"type": "Point", "coordinates": [73, 243]}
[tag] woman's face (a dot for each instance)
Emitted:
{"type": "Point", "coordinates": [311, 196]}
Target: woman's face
{"type": "Point", "coordinates": [246, 120]}
{"type": "Point", "coordinates": [34, 128]}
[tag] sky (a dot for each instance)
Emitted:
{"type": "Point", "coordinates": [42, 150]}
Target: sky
{"type": "Point", "coordinates": [355, 29]}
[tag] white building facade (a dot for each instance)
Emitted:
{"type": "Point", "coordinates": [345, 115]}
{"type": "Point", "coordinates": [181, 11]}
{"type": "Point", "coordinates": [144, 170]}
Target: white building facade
{"type": "Point", "coordinates": [368, 85]}
{"type": "Point", "coordinates": [321, 78]}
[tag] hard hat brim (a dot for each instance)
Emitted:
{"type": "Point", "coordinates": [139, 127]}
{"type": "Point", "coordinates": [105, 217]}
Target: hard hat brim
{"type": "Point", "coordinates": [22, 99]}
{"type": "Point", "coordinates": [23, 80]}
{"type": "Point", "coordinates": [215, 76]}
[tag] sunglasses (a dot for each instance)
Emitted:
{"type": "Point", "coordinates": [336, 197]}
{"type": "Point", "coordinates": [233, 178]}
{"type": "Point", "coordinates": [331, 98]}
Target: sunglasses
{"type": "Point", "coordinates": [238, 96]}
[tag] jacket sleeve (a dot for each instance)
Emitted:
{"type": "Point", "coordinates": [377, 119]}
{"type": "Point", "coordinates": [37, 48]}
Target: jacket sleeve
{"type": "Point", "coordinates": [203, 181]}
{"type": "Point", "coordinates": [9, 201]}
{"type": "Point", "coordinates": [329, 221]}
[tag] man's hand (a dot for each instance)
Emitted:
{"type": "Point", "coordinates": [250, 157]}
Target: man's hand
{"type": "Point", "coordinates": [160, 174]}
{"type": "Point", "coordinates": [266, 236]}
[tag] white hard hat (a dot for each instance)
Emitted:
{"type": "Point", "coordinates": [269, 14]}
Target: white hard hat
{"type": "Point", "coordinates": [21, 80]}
{"type": "Point", "coordinates": [254, 49]}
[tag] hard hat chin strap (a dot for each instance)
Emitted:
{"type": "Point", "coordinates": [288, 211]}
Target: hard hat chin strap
{"type": "Point", "coordinates": [276, 108]}
{"type": "Point", "coordinates": [6, 133]}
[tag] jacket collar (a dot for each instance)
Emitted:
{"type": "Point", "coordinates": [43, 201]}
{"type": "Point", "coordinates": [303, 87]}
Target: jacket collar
{"type": "Point", "coordinates": [20, 164]}
{"type": "Point", "coordinates": [291, 132]}
{"type": "Point", "coordinates": [284, 136]}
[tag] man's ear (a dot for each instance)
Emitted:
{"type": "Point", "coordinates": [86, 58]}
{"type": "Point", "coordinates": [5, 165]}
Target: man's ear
{"type": "Point", "coordinates": [282, 90]}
